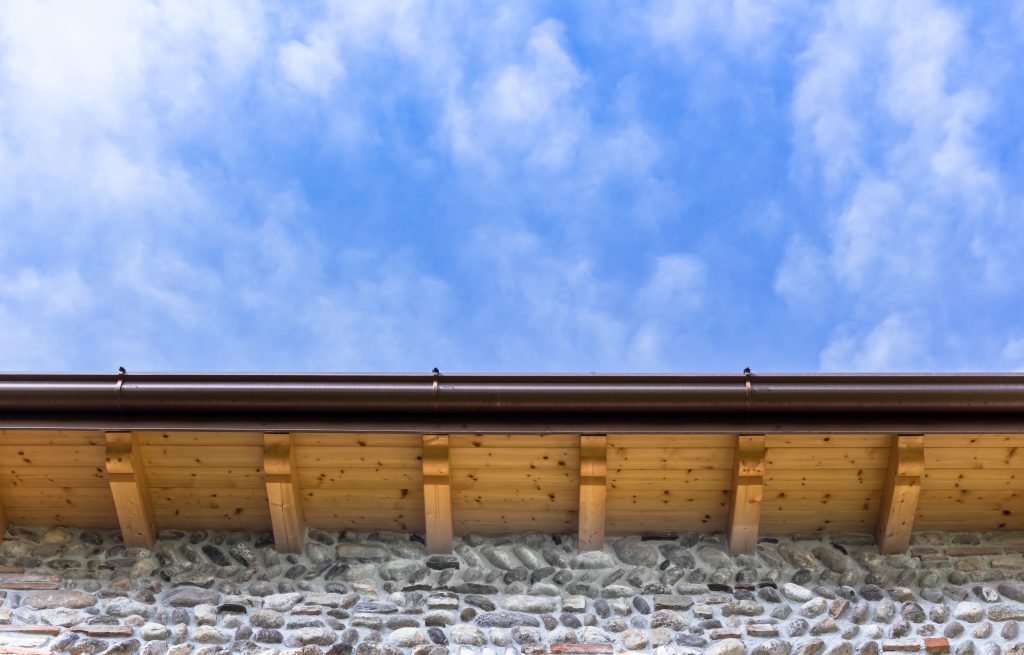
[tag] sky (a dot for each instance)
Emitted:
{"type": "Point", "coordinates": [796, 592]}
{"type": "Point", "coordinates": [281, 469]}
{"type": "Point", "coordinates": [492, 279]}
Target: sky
{"type": "Point", "coordinates": [664, 186]}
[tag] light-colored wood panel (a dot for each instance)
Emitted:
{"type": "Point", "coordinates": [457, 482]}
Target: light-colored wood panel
{"type": "Point", "coordinates": [382, 457]}
{"type": "Point", "coordinates": [408, 498]}
{"type": "Point", "coordinates": [58, 497]}
{"type": "Point", "coordinates": [437, 492]}
{"type": "Point", "coordinates": [827, 440]}
{"type": "Point", "coordinates": [514, 458]}
{"type": "Point", "coordinates": [824, 478]}
{"type": "Point", "coordinates": [669, 458]}
{"type": "Point", "coordinates": [629, 480]}
{"type": "Point", "coordinates": [52, 438]}
{"type": "Point", "coordinates": [359, 478]}
{"type": "Point", "coordinates": [260, 515]}
{"type": "Point", "coordinates": [54, 476]}
{"type": "Point", "coordinates": [501, 522]}
{"type": "Point", "coordinates": [967, 500]}
{"type": "Point", "coordinates": [130, 490]}
{"type": "Point", "coordinates": [898, 506]}
{"type": "Point", "coordinates": [830, 458]}
{"type": "Point", "coordinates": [355, 440]}
{"type": "Point", "coordinates": [202, 520]}
{"type": "Point", "coordinates": [977, 457]}
{"type": "Point", "coordinates": [282, 492]}
{"type": "Point", "coordinates": [201, 439]}
{"type": "Point", "coordinates": [53, 455]}
{"type": "Point", "coordinates": [817, 521]}
{"type": "Point", "coordinates": [223, 499]}
{"type": "Point", "coordinates": [631, 521]}
{"type": "Point", "coordinates": [974, 440]}
{"type": "Point", "coordinates": [978, 479]}
{"type": "Point", "coordinates": [97, 518]}
{"type": "Point", "coordinates": [501, 479]}
{"type": "Point", "coordinates": [592, 496]}
{"type": "Point", "coordinates": [747, 493]}
{"type": "Point", "coordinates": [523, 499]}
{"type": "Point", "coordinates": [202, 456]}
{"type": "Point", "coordinates": [969, 520]}
{"type": "Point", "coordinates": [355, 518]}
{"type": "Point", "coordinates": [562, 441]}
{"type": "Point", "coordinates": [818, 515]}
{"type": "Point", "coordinates": [818, 498]}
{"type": "Point", "coordinates": [671, 440]}
{"type": "Point", "coordinates": [743, 530]}
{"type": "Point", "coordinates": [659, 499]}
{"type": "Point", "coordinates": [207, 477]}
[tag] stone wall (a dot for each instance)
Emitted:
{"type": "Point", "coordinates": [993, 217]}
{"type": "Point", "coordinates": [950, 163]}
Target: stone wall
{"type": "Point", "coordinates": [71, 591]}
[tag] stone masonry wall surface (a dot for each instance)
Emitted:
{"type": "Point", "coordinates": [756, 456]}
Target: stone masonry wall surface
{"type": "Point", "coordinates": [81, 591]}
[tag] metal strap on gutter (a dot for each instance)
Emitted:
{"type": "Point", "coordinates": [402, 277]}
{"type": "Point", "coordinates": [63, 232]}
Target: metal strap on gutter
{"type": "Point", "coordinates": [121, 372]}
{"type": "Point", "coordinates": [748, 385]}
{"type": "Point", "coordinates": [436, 388]}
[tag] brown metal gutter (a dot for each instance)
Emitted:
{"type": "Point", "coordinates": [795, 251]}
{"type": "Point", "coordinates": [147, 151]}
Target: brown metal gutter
{"type": "Point", "coordinates": [228, 396]}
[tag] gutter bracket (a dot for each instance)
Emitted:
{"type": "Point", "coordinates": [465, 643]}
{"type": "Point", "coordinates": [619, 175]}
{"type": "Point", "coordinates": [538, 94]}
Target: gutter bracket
{"type": "Point", "coordinates": [435, 390]}
{"type": "Point", "coordinates": [749, 385]}
{"type": "Point", "coordinates": [121, 372]}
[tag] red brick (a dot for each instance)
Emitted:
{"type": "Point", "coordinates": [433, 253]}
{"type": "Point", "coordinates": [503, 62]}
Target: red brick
{"type": "Point", "coordinates": [20, 650]}
{"type": "Point", "coordinates": [902, 646]}
{"type": "Point", "coordinates": [581, 649]}
{"type": "Point", "coordinates": [762, 630]}
{"type": "Point", "coordinates": [936, 645]}
{"type": "Point", "coordinates": [966, 551]}
{"type": "Point", "coordinates": [31, 629]}
{"type": "Point", "coordinates": [103, 631]}
{"type": "Point", "coordinates": [29, 582]}
{"type": "Point", "coordinates": [12, 569]}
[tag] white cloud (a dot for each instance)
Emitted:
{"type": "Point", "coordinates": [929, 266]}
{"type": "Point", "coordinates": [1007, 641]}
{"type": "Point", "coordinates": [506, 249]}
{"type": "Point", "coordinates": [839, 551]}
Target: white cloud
{"type": "Point", "coordinates": [94, 92]}
{"type": "Point", "coordinates": [35, 292]}
{"type": "Point", "coordinates": [896, 343]}
{"type": "Point", "coordinates": [166, 257]}
{"type": "Point", "coordinates": [392, 316]}
{"type": "Point", "coordinates": [554, 305]}
{"type": "Point", "coordinates": [889, 112]}
{"type": "Point", "coordinates": [311, 65]}
{"type": "Point", "coordinates": [135, 152]}
{"type": "Point", "coordinates": [802, 277]}
{"type": "Point", "coordinates": [1013, 355]}
{"type": "Point", "coordinates": [676, 287]}
{"type": "Point", "coordinates": [36, 307]}
{"type": "Point", "coordinates": [550, 306]}
{"type": "Point", "coordinates": [742, 25]}
{"type": "Point", "coordinates": [525, 108]}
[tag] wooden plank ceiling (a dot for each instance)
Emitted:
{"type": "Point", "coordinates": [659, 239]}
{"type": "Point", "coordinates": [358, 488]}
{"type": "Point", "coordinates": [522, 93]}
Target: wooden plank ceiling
{"type": "Point", "coordinates": [444, 485]}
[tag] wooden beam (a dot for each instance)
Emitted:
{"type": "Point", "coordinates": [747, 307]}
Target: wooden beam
{"type": "Point", "coordinates": [593, 490]}
{"type": "Point", "coordinates": [437, 492]}
{"type": "Point", "coordinates": [128, 486]}
{"type": "Point", "coordinates": [283, 492]}
{"type": "Point", "coordinates": [902, 491]}
{"type": "Point", "coordinates": [747, 493]}
{"type": "Point", "coordinates": [3, 522]}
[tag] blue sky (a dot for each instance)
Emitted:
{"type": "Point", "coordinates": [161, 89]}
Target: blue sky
{"type": "Point", "coordinates": [695, 185]}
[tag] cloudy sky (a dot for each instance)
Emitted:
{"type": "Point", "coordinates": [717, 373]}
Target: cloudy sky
{"type": "Point", "coordinates": [690, 185]}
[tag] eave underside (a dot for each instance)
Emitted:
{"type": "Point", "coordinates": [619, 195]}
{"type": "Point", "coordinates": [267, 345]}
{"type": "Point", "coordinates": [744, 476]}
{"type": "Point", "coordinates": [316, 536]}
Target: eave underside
{"type": "Point", "coordinates": [744, 482]}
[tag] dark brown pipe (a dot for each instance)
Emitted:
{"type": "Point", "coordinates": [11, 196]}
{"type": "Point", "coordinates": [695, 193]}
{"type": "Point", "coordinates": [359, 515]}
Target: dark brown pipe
{"type": "Point", "coordinates": [162, 394]}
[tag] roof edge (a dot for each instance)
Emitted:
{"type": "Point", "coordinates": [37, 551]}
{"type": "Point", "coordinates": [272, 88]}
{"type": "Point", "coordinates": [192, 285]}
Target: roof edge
{"type": "Point", "coordinates": [232, 395]}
